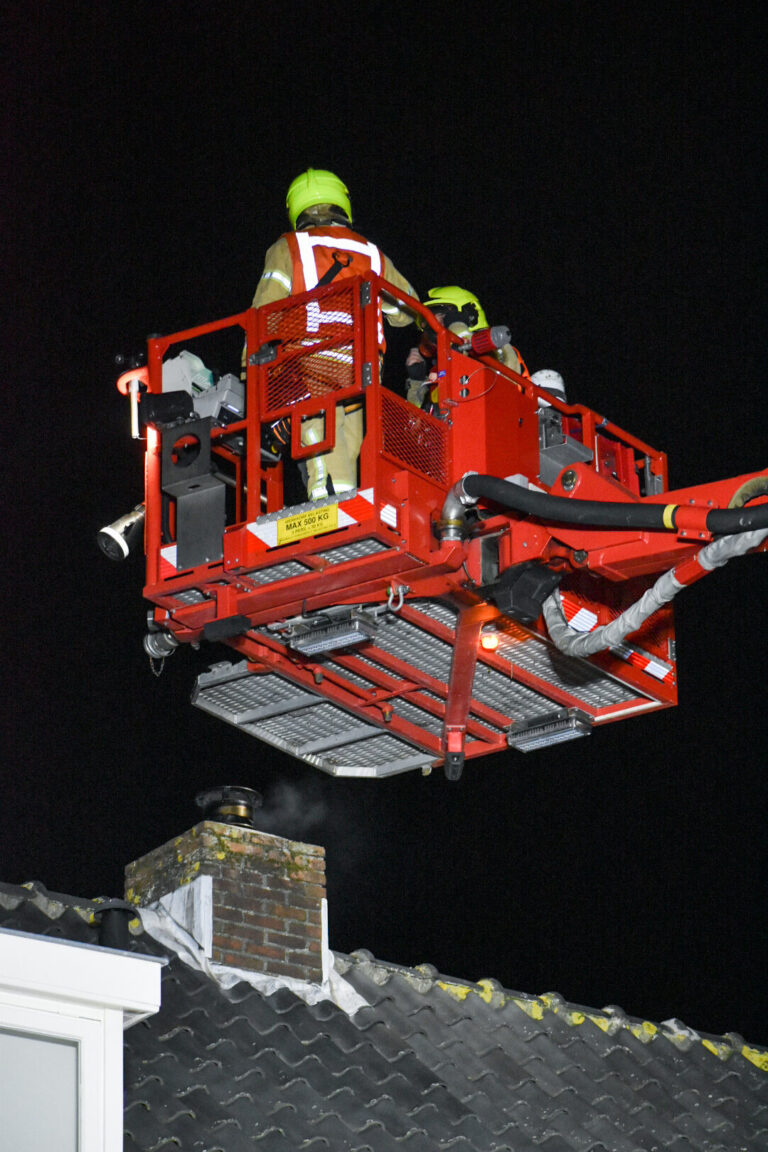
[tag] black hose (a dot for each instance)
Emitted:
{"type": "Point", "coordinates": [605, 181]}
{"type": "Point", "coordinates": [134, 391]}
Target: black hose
{"type": "Point", "coordinates": [728, 521]}
{"type": "Point", "coordinates": [606, 514]}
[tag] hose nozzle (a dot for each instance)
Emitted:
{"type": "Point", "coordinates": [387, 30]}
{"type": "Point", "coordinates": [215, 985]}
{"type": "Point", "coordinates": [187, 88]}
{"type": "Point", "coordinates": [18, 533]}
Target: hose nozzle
{"type": "Point", "coordinates": [490, 339]}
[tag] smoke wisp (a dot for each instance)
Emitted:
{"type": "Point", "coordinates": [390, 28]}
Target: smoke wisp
{"type": "Point", "coordinates": [290, 811]}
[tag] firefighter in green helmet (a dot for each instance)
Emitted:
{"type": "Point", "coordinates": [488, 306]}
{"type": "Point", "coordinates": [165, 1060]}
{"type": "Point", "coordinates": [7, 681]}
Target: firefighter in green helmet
{"type": "Point", "coordinates": [320, 248]}
{"type": "Point", "coordinates": [461, 312]}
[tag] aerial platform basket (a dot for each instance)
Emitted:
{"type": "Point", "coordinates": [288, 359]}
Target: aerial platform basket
{"type": "Point", "coordinates": [389, 627]}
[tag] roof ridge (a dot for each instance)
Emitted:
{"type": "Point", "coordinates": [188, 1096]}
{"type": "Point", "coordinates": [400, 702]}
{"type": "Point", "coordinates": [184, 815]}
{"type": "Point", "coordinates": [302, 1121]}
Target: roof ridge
{"type": "Point", "coordinates": [611, 1019]}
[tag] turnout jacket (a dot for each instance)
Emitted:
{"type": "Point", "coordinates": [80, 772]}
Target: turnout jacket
{"type": "Point", "coordinates": [298, 261]}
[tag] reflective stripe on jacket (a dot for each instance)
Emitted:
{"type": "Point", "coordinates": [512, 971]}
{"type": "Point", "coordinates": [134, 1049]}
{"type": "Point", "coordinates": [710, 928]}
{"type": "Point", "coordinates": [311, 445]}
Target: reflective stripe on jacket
{"type": "Point", "coordinates": [313, 251]}
{"type": "Point", "coordinates": [317, 252]}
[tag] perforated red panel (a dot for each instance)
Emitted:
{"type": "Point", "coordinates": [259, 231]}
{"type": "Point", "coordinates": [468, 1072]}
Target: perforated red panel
{"type": "Point", "coordinates": [315, 356]}
{"type": "Point", "coordinates": [414, 438]}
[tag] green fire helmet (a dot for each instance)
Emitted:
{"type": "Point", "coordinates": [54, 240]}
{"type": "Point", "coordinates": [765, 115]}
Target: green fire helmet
{"type": "Point", "coordinates": [458, 305]}
{"type": "Point", "coordinates": [316, 186]}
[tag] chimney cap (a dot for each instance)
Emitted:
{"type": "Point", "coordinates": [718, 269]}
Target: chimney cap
{"type": "Point", "coordinates": [229, 804]}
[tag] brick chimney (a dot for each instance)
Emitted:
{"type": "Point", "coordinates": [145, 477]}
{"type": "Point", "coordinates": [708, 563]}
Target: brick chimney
{"type": "Point", "coordinates": [266, 895]}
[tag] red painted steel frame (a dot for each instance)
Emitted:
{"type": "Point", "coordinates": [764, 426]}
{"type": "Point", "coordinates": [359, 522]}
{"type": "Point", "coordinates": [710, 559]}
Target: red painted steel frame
{"type": "Point", "coordinates": [409, 461]}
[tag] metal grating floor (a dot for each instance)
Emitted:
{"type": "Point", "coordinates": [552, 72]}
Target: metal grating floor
{"type": "Point", "coordinates": [415, 715]}
{"type": "Point", "coordinates": [366, 758]}
{"type": "Point", "coordinates": [341, 742]}
{"type": "Point", "coordinates": [353, 551]}
{"type": "Point", "coordinates": [239, 696]}
{"type": "Point", "coordinates": [354, 678]}
{"type": "Point", "coordinates": [507, 696]}
{"type": "Point", "coordinates": [277, 572]}
{"type": "Point", "coordinates": [434, 657]}
{"type": "Point", "coordinates": [413, 646]}
{"type": "Point", "coordinates": [591, 684]}
{"type": "Point", "coordinates": [443, 613]}
{"type": "Point", "coordinates": [317, 731]}
{"type": "Point", "coordinates": [190, 596]}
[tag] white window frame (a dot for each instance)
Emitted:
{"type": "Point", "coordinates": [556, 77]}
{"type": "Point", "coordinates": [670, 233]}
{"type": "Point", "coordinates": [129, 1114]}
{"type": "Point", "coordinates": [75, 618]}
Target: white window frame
{"type": "Point", "coordinates": [62, 990]}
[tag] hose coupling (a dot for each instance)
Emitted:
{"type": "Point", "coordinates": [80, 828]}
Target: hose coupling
{"type": "Point", "coordinates": [160, 644]}
{"type": "Point", "coordinates": [452, 516]}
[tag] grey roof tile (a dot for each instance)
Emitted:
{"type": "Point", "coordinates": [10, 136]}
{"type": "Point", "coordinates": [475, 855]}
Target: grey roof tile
{"type": "Point", "coordinates": [429, 1065]}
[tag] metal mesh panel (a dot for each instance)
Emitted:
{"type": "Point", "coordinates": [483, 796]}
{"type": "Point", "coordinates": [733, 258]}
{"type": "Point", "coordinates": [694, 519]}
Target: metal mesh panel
{"type": "Point", "coordinates": [414, 438]}
{"type": "Point", "coordinates": [303, 724]}
{"type": "Point", "coordinates": [417, 648]}
{"type": "Point", "coordinates": [277, 572]}
{"type": "Point", "coordinates": [443, 613]}
{"type": "Point", "coordinates": [582, 679]}
{"type": "Point", "coordinates": [434, 657]}
{"type": "Point", "coordinates": [353, 551]}
{"type": "Point", "coordinates": [313, 729]}
{"type": "Point", "coordinates": [190, 596]}
{"type": "Point", "coordinates": [354, 678]}
{"type": "Point", "coordinates": [321, 326]}
{"type": "Point", "coordinates": [381, 751]}
{"type": "Point", "coordinates": [415, 715]}
{"type": "Point", "coordinates": [294, 320]}
{"type": "Point", "coordinates": [507, 696]}
{"type": "Point", "coordinates": [247, 696]}
{"type": "Point", "coordinates": [314, 374]}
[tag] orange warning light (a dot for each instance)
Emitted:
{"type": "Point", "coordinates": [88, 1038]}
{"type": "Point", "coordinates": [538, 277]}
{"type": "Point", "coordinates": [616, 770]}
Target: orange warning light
{"type": "Point", "coordinates": [489, 639]}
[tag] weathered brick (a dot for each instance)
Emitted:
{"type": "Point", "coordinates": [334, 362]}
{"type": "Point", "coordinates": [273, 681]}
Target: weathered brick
{"type": "Point", "coordinates": [298, 899]}
{"type": "Point", "coordinates": [286, 941]}
{"type": "Point", "coordinates": [305, 860]}
{"type": "Point", "coordinates": [247, 889]}
{"type": "Point", "coordinates": [267, 950]}
{"type": "Point", "coordinates": [258, 920]}
{"type": "Point", "coordinates": [274, 883]}
{"type": "Point", "coordinates": [231, 959]}
{"type": "Point", "coordinates": [229, 874]}
{"type": "Point", "coordinates": [244, 848]}
{"type": "Point", "coordinates": [230, 899]}
{"type": "Point", "coordinates": [288, 912]}
{"type": "Point", "coordinates": [313, 891]}
{"type": "Point", "coordinates": [224, 915]}
{"type": "Point", "coordinates": [307, 876]}
{"type": "Point", "coordinates": [228, 942]}
{"type": "Point", "coordinates": [250, 936]}
{"type": "Point", "coordinates": [267, 893]}
{"type": "Point", "coordinates": [224, 887]}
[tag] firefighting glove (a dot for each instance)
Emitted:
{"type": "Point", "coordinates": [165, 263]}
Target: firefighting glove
{"type": "Point", "coordinates": [276, 438]}
{"type": "Point", "coordinates": [417, 392]}
{"type": "Point", "coordinates": [416, 369]}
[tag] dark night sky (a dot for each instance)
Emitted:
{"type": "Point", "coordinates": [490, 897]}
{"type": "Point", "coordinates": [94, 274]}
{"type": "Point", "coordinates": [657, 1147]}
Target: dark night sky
{"type": "Point", "coordinates": [598, 178]}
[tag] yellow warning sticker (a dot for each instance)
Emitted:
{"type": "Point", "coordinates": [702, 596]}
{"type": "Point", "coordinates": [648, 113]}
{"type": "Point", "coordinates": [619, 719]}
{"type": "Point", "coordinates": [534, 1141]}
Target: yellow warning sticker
{"type": "Point", "coordinates": [311, 523]}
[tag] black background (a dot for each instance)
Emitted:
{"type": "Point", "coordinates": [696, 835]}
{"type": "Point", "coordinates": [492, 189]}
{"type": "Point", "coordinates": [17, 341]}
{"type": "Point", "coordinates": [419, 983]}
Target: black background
{"type": "Point", "coordinates": [598, 178]}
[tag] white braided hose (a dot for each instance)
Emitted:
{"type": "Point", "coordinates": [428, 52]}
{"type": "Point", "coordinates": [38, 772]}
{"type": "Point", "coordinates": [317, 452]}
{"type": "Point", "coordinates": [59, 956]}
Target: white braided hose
{"type": "Point", "coordinates": [574, 643]}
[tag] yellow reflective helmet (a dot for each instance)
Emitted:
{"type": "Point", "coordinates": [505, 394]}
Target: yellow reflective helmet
{"type": "Point", "coordinates": [316, 186]}
{"type": "Point", "coordinates": [458, 304]}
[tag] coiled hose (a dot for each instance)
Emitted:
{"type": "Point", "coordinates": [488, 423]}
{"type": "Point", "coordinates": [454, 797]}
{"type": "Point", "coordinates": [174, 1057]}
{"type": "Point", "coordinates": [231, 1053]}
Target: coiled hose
{"type": "Point", "coordinates": [744, 528]}
{"type": "Point", "coordinates": [575, 643]}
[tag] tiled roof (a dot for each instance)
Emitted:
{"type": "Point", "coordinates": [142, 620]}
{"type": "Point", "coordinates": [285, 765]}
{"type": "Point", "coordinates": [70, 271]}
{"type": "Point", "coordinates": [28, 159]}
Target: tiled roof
{"type": "Point", "coordinates": [429, 1064]}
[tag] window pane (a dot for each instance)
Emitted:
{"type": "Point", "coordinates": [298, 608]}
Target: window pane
{"type": "Point", "coordinates": [38, 1093]}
